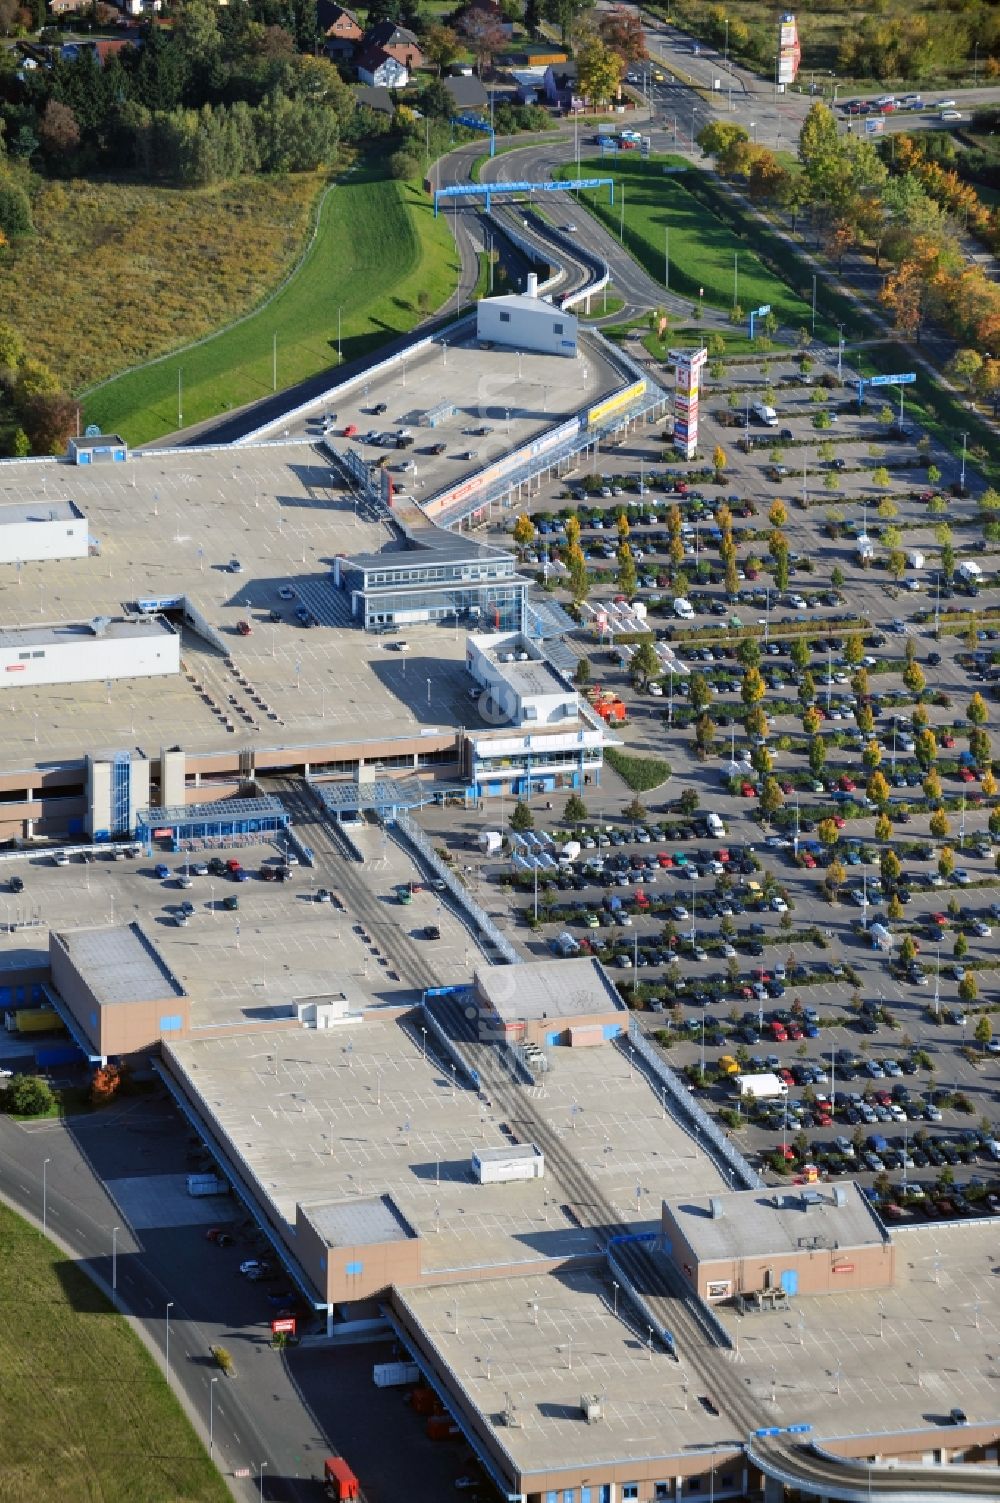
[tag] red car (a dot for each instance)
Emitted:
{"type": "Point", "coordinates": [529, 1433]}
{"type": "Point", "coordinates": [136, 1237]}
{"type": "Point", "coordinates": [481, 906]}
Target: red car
{"type": "Point", "coordinates": [839, 821]}
{"type": "Point", "coordinates": [947, 740]}
{"type": "Point", "coordinates": [795, 1032]}
{"type": "Point", "coordinates": [788, 1154]}
{"type": "Point", "coordinates": [786, 1076]}
{"type": "Point", "coordinates": [941, 919]}
{"type": "Point", "coordinates": [350, 430]}
{"type": "Point", "coordinates": [778, 1033]}
{"type": "Point", "coordinates": [244, 628]}
{"type": "Point", "coordinates": [846, 784]}
{"type": "Point", "coordinates": [808, 861]}
{"type": "Point", "coordinates": [747, 790]}
{"type": "Point", "coordinates": [967, 775]}
{"type": "Point", "coordinates": [786, 786]}
{"type": "Point", "coordinates": [664, 860]}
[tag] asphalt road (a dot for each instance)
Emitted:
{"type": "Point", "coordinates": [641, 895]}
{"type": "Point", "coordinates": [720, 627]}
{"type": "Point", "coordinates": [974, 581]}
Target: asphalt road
{"type": "Point", "coordinates": [259, 1417]}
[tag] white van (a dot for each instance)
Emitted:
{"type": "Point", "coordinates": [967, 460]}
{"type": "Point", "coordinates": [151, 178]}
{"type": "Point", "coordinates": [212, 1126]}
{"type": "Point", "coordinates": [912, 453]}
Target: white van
{"type": "Point", "coordinates": [765, 414]}
{"type": "Point", "coordinates": [683, 608]}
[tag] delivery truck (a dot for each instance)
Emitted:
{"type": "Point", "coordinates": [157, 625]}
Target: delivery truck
{"type": "Point", "coordinates": [206, 1184]}
{"type": "Point", "coordinates": [763, 1087]}
{"type": "Point", "coordinates": [395, 1374]}
{"type": "Point", "coordinates": [33, 1020]}
{"type": "Point", "coordinates": [341, 1483]}
{"type": "Point", "coordinates": [490, 842]}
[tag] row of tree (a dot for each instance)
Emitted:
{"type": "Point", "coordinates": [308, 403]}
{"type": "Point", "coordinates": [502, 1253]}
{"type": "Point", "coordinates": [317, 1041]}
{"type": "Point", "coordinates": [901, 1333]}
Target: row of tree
{"type": "Point", "coordinates": [220, 94]}
{"type": "Point", "coordinates": [900, 202]}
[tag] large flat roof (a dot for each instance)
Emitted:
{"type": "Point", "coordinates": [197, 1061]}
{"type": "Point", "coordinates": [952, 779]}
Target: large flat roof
{"type": "Point", "coordinates": [61, 633]}
{"type": "Point", "coordinates": [336, 1113]}
{"type": "Point", "coordinates": [357, 1223]}
{"type": "Point", "coordinates": [119, 964]}
{"type": "Point", "coordinates": [888, 1360]}
{"type": "Point", "coordinates": [547, 989]}
{"type": "Point", "coordinates": [167, 525]}
{"type": "Point", "coordinates": [764, 1223]}
{"type": "Point", "coordinates": [59, 509]}
{"type": "Point", "coordinates": [492, 1342]}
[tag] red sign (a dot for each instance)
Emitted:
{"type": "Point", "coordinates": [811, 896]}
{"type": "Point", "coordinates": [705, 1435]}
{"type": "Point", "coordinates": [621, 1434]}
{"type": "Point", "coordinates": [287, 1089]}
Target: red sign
{"type": "Point", "coordinates": [15, 667]}
{"type": "Point", "coordinates": [283, 1327]}
{"type": "Point", "coordinates": [162, 834]}
{"type": "Point", "coordinates": [842, 1268]}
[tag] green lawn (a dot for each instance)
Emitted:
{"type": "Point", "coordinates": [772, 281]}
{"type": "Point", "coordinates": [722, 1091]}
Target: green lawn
{"type": "Point", "coordinates": [702, 245]}
{"type": "Point", "coordinates": [84, 1412]}
{"type": "Point", "coordinates": [380, 256]}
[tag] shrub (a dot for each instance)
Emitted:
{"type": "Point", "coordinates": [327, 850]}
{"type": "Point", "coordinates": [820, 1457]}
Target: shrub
{"type": "Point", "coordinates": [15, 210]}
{"type": "Point", "coordinates": [640, 773]}
{"type": "Point", "coordinates": [29, 1096]}
{"type": "Point", "coordinates": [223, 1359]}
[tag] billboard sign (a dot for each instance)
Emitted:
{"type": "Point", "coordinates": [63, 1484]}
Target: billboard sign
{"type": "Point", "coordinates": [688, 366]}
{"type": "Point", "coordinates": [789, 50]}
{"type": "Point", "coordinates": [906, 379]}
{"type": "Point", "coordinates": [283, 1326]}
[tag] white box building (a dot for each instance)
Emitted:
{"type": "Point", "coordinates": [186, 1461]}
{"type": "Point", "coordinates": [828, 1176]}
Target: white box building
{"type": "Point", "coordinates": [524, 321]}
{"type": "Point", "coordinates": [523, 689]}
{"type": "Point", "coordinates": [497, 1166]}
{"type": "Point", "coordinates": [32, 530]}
{"type": "Point", "coordinates": [85, 652]}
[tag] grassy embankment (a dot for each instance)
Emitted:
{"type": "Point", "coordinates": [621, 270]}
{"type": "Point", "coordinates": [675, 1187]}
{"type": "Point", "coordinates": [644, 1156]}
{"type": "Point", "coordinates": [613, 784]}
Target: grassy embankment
{"type": "Point", "coordinates": [380, 257]}
{"type": "Point", "coordinates": [84, 1411]}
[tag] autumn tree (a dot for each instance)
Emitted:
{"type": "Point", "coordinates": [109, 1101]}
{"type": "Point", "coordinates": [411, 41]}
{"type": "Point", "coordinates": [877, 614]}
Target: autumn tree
{"type": "Point", "coordinates": [524, 533]}
{"type": "Point", "coordinates": [441, 46]}
{"type": "Point", "coordinates": [599, 69]}
{"type": "Point", "coordinates": [484, 36]}
{"type": "Point", "coordinates": [58, 130]}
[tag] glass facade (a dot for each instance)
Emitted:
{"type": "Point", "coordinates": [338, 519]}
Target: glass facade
{"type": "Point", "coordinates": [501, 606]}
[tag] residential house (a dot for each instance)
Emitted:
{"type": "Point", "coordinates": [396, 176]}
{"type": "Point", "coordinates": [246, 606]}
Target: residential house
{"type": "Point", "coordinates": [369, 97]}
{"type": "Point", "coordinates": [529, 84]}
{"type": "Point", "coordinates": [560, 85]}
{"type": "Point", "coordinates": [343, 33]}
{"type": "Point", "coordinates": [468, 96]}
{"type": "Point", "coordinates": [397, 42]}
{"type": "Point", "coordinates": [376, 67]}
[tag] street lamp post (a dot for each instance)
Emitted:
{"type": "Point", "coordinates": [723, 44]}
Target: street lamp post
{"type": "Point", "coordinates": [211, 1415]}
{"type": "Point", "coordinates": [45, 1194]}
{"type": "Point", "coordinates": [170, 1306]}
{"type": "Point", "coordinates": [962, 477]}
{"type": "Point", "coordinates": [263, 1464]}
{"type": "Point", "coordinates": [114, 1258]}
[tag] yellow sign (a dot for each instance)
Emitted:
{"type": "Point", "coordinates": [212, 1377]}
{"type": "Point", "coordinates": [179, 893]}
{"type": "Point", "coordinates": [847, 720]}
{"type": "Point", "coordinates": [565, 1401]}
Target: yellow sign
{"type": "Point", "coordinates": [616, 403]}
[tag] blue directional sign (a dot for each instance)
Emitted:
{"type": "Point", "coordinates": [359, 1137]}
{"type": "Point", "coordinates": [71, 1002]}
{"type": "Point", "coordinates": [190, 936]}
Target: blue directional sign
{"type": "Point", "coordinates": [904, 380]}
{"type": "Point", "coordinates": [770, 1430]}
{"type": "Point", "coordinates": [489, 191]}
{"type": "Point", "coordinates": [473, 122]}
{"type": "Point", "coordinates": [756, 313]}
{"type": "Point", "coordinates": [798, 1429]}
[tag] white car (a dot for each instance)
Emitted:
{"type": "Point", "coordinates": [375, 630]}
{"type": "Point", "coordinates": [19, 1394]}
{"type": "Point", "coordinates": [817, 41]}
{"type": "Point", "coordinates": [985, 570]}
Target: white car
{"type": "Point", "coordinates": [778, 905]}
{"type": "Point", "coordinates": [286, 593]}
{"type": "Point", "coordinates": [951, 115]}
{"type": "Point", "coordinates": [252, 1265]}
{"type": "Point", "coordinates": [199, 869]}
{"type": "Point", "coordinates": [729, 952]}
{"type": "Point", "coordinates": [981, 929]}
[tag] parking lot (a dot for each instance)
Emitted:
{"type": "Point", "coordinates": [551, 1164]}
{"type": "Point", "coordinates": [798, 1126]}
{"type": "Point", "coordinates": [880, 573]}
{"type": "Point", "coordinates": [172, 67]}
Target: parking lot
{"type": "Point", "coordinates": [829, 697]}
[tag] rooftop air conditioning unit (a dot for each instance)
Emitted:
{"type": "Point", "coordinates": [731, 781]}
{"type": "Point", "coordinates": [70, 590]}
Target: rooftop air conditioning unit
{"type": "Point", "coordinates": [593, 1409]}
